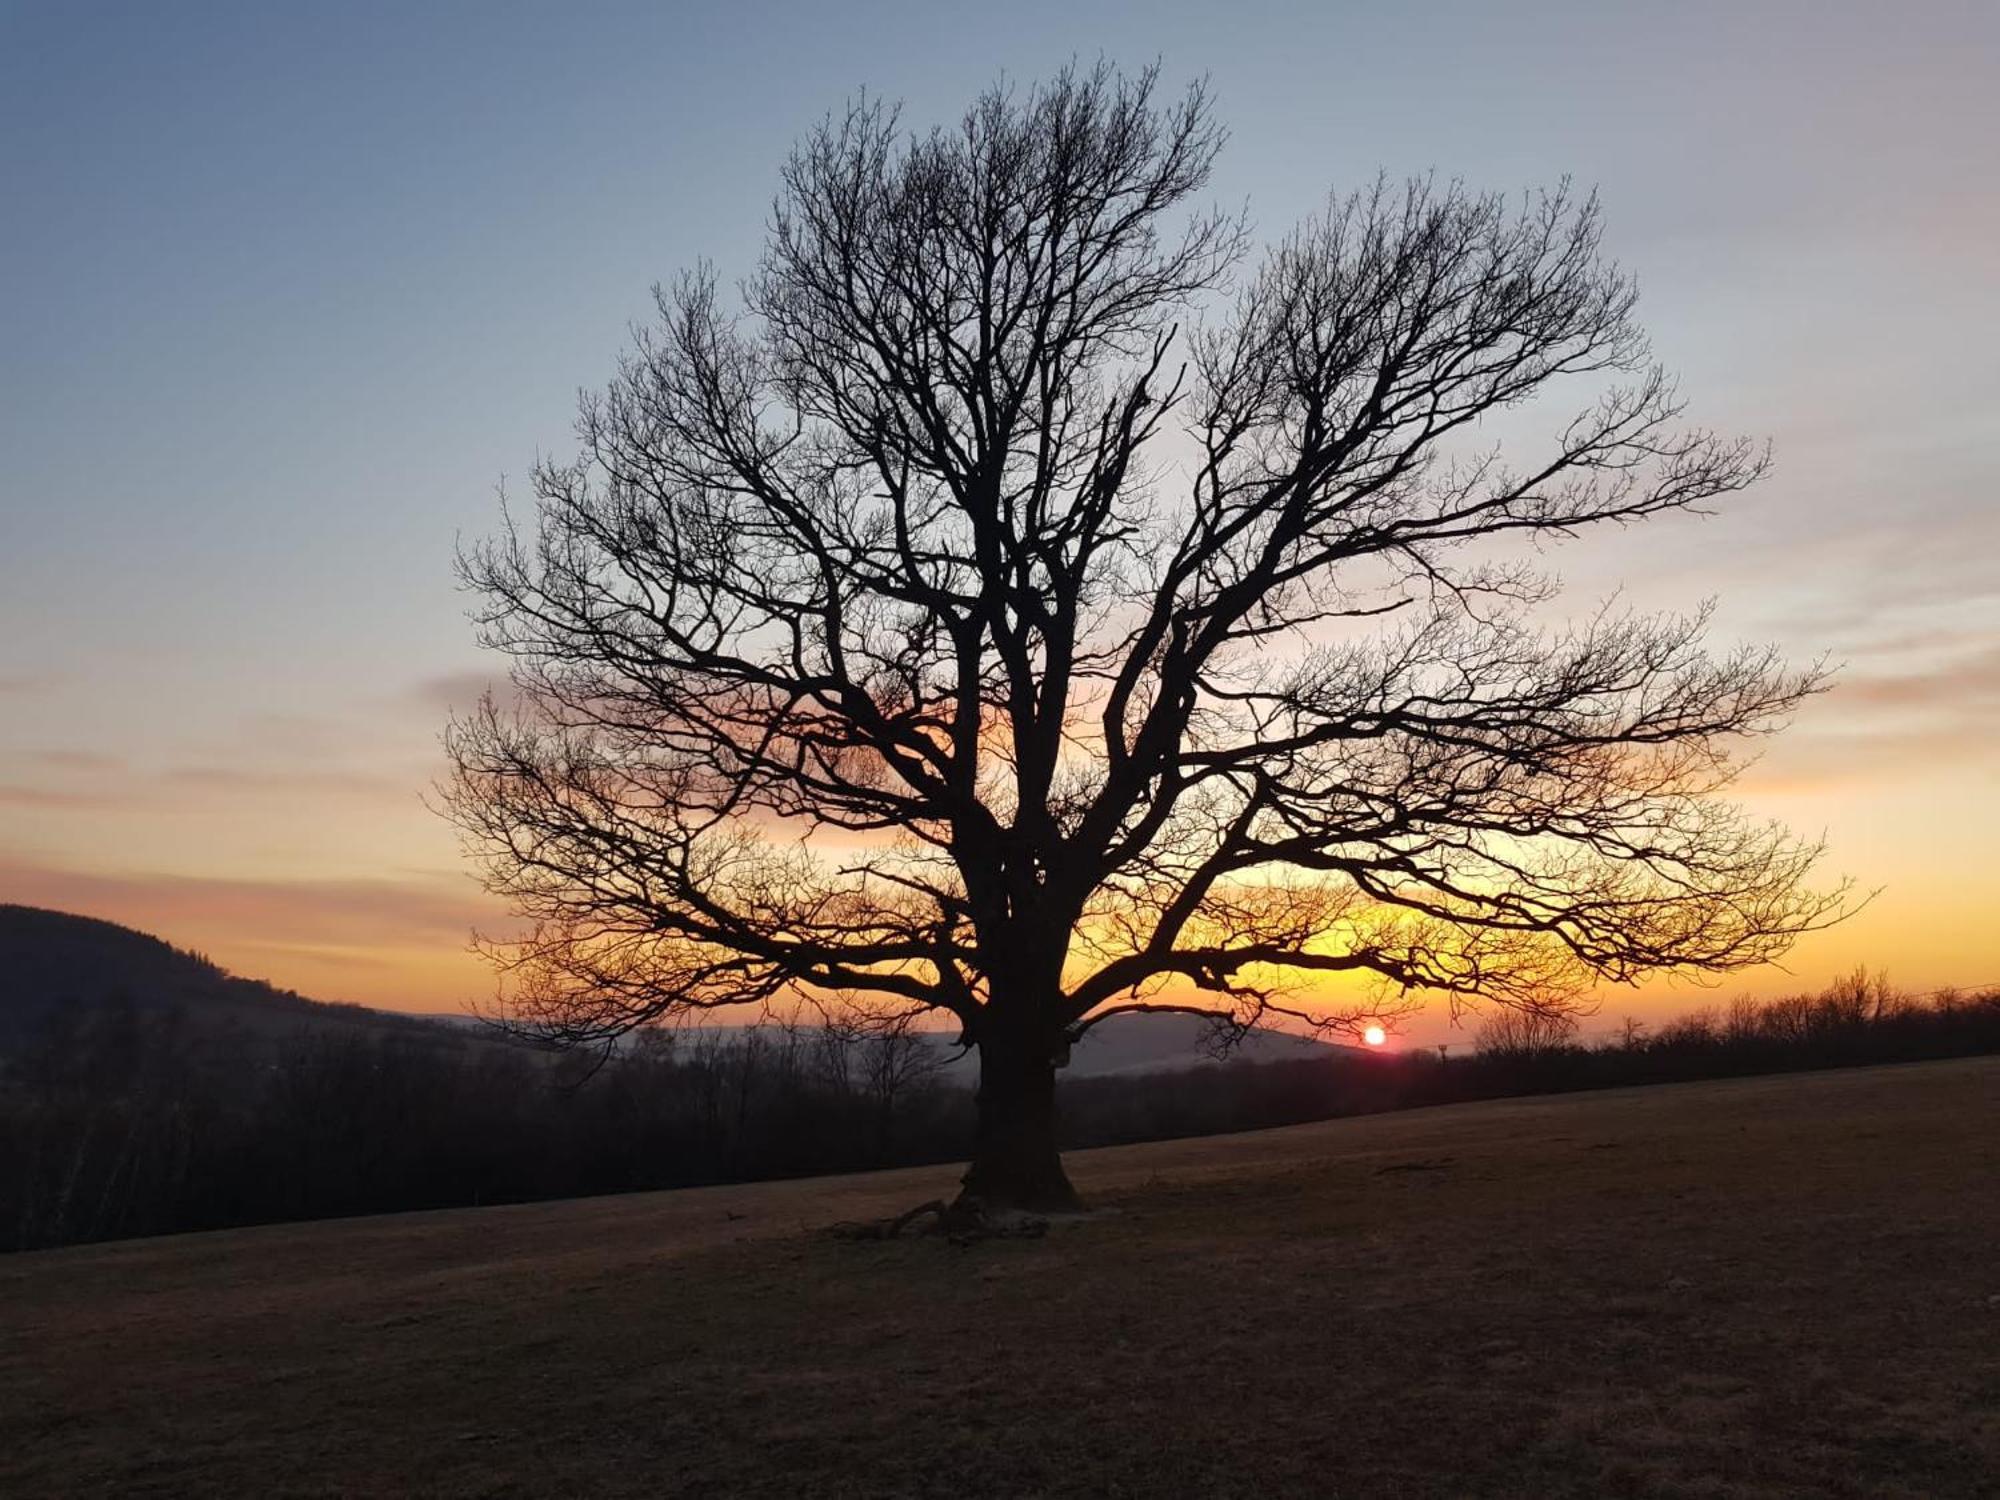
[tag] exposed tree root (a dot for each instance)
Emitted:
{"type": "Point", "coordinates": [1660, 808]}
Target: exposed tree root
{"type": "Point", "coordinates": [962, 1222]}
{"type": "Point", "coordinates": [887, 1229]}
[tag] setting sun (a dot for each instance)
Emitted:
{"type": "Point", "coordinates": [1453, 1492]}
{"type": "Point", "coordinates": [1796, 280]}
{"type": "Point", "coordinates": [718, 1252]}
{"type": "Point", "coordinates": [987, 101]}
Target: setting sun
{"type": "Point", "coordinates": [1374, 1036]}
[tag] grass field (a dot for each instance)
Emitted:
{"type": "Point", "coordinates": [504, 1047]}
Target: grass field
{"type": "Point", "coordinates": [1781, 1286]}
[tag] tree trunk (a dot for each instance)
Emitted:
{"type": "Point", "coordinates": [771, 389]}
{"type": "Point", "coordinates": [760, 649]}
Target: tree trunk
{"type": "Point", "coordinates": [1015, 1164]}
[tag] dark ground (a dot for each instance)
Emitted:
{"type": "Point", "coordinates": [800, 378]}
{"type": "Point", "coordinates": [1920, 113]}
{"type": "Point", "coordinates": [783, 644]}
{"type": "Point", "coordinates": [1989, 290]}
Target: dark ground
{"type": "Point", "coordinates": [1772, 1286]}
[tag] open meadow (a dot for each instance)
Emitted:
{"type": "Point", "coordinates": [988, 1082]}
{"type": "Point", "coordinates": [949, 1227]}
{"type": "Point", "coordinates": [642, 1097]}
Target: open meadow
{"type": "Point", "coordinates": [1772, 1286]}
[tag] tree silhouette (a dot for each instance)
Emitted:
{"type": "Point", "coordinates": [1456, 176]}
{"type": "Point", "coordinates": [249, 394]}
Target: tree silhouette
{"type": "Point", "coordinates": [1019, 607]}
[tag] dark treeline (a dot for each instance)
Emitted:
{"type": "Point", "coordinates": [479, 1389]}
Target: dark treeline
{"type": "Point", "coordinates": [1854, 1022]}
{"type": "Point", "coordinates": [120, 1120]}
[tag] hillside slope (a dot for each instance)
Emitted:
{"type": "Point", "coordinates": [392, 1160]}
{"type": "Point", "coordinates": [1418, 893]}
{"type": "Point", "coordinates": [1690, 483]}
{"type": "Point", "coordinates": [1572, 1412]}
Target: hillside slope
{"type": "Point", "coordinates": [52, 960]}
{"type": "Point", "coordinates": [1771, 1286]}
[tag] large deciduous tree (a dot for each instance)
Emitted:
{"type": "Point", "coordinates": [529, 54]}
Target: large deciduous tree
{"type": "Point", "coordinates": [1020, 604]}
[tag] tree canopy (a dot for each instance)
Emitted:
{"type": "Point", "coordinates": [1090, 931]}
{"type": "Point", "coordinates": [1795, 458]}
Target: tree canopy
{"type": "Point", "coordinates": [1026, 598]}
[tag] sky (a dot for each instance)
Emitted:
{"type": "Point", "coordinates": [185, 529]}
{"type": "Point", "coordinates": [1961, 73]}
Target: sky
{"type": "Point", "coordinates": [288, 292]}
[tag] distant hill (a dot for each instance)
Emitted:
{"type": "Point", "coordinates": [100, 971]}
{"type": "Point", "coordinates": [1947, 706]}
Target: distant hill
{"type": "Point", "coordinates": [1122, 1046]}
{"type": "Point", "coordinates": [1142, 1043]}
{"type": "Point", "coordinates": [52, 960]}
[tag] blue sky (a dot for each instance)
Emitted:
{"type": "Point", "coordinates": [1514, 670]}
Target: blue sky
{"type": "Point", "coordinates": [287, 290]}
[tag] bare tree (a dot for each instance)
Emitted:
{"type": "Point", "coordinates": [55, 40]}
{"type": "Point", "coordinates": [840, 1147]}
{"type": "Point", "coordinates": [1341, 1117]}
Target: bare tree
{"type": "Point", "coordinates": [1521, 1035]}
{"type": "Point", "coordinates": [899, 1062]}
{"type": "Point", "coordinates": [1019, 606]}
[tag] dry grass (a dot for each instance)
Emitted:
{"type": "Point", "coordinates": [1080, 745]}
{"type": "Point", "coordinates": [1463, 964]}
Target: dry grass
{"type": "Point", "coordinates": [1784, 1286]}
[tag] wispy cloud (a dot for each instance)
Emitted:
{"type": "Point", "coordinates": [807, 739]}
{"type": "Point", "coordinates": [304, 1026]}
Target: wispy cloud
{"type": "Point", "coordinates": [85, 780]}
{"type": "Point", "coordinates": [1931, 702]}
{"type": "Point", "coordinates": [1965, 687]}
{"type": "Point", "coordinates": [250, 779]}
{"type": "Point", "coordinates": [456, 690]}
{"type": "Point", "coordinates": [74, 760]}
{"type": "Point", "coordinates": [39, 796]}
{"type": "Point", "coordinates": [415, 908]}
{"type": "Point", "coordinates": [460, 692]}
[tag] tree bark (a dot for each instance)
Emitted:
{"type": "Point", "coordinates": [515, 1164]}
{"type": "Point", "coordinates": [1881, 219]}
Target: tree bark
{"type": "Point", "coordinates": [1015, 1165]}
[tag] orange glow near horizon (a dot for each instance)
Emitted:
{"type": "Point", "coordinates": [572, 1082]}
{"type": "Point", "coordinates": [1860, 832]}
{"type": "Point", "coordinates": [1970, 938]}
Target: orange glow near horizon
{"type": "Point", "coordinates": [344, 899]}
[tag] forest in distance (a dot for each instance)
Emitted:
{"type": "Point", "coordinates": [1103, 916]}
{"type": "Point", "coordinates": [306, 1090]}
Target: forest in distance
{"type": "Point", "coordinates": [129, 1116]}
